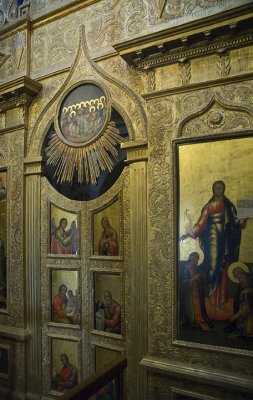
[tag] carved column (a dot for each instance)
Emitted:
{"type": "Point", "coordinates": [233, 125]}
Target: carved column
{"type": "Point", "coordinates": [137, 159]}
{"type": "Point", "coordinates": [15, 97]}
{"type": "Point", "coordinates": [33, 295]}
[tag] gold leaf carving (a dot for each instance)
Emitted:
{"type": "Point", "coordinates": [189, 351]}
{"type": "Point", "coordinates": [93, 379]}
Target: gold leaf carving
{"type": "Point", "coordinates": [224, 65]}
{"type": "Point", "coordinates": [184, 72]}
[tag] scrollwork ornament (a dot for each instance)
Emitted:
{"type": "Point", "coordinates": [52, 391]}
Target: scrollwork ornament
{"type": "Point", "coordinates": [178, 9]}
{"type": "Point", "coordinates": [239, 93]}
{"type": "Point", "coordinates": [189, 103]}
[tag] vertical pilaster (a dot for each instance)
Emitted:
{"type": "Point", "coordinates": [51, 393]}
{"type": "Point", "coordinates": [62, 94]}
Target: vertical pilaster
{"type": "Point", "coordinates": [137, 159]}
{"type": "Point", "coordinates": [33, 292]}
{"type": "Point", "coordinates": [15, 97]}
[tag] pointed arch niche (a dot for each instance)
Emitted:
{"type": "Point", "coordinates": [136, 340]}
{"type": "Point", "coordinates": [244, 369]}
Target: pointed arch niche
{"type": "Point", "coordinates": [114, 208]}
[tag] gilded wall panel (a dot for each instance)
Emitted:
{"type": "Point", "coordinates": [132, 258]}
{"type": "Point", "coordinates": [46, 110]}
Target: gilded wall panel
{"type": "Point", "coordinates": [14, 46]}
{"type": "Point", "coordinates": [218, 116]}
{"type": "Point", "coordinates": [37, 6]}
{"type": "Point", "coordinates": [185, 10]}
{"type": "Point", "coordinates": [124, 100]}
{"type": "Point", "coordinates": [55, 43]}
{"type": "Point", "coordinates": [15, 253]}
{"type": "Point", "coordinates": [119, 69]}
{"type": "Point", "coordinates": [83, 333]}
{"type": "Point", "coordinates": [153, 11]}
{"type": "Point", "coordinates": [241, 60]}
{"type": "Point", "coordinates": [204, 69]}
{"type": "Point", "coordinates": [49, 87]}
{"type": "Point", "coordinates": [166, 77]}
{"type": "Point", "coordinates": [166, 116]}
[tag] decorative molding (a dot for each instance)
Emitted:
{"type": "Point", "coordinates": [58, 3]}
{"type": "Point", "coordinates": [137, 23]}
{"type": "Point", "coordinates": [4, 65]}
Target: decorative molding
{"type": "Point", "coordinates": [136, 151]}
{"type": "Point", "coordinates": [198, 86]}
{"type": "Point", "coordinates": [15, 27]}
{"type": "Point", "coordinates": [15, 333]}
{"type": "Point", "coordinates": [33, 275]}
{"type": "Point", "coordinates": [22, 85]}
{"type": "Point", "coordinates": [229, 30]}
{"type": "Point", "coordinates": [139, 277]}
{"type": "Point", "coordinates": [217, 116]}
{"type": "Point", "coordinates": [193, 51]}
{"type": "Point", "coordinates": [184, 72]}
{"type": "Point", "coordinates": [33, 166]}
{"type": "Point", "coordinates": [207, 375]}
{"type": "Point", "coordinates": [52, 15]}
{"type": "Point", "coordinates": [224, 63]}
{"type": "Point", "coordinates": [124, 100]}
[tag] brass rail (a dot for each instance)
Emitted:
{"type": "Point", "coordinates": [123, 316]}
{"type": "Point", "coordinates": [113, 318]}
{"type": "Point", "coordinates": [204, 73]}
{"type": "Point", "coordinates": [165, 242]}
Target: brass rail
{"type": "Point", "coordinates": [90, 386]}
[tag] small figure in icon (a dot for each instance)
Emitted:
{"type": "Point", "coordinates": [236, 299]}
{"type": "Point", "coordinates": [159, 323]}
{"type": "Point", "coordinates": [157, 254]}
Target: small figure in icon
{"type": "Point", "coordinates": [108, 243]}
{"type": "Point", "coordinates": [67, 378]}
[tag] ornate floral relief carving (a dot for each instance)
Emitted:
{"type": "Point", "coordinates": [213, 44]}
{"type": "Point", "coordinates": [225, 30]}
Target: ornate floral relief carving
{"type": "Point", "coordinates": [39, 5]}
{"type": "Point", "coordinates": [112, 20]}
{"type": "Point", "coordinates": [15, 267]}
{"type": "Point", "coordinates": [232, 110]}
{"type": "Point", "coordinates": [19, 50]}
{"type": "Point", "coordinates": [119, 69]}
{"type": "Point", "coordinates": [3, 151]}
{"type": "Point", "coordinates": [2, 120]}
{"type": "Point", "coordinates": [194, 8]}
{"type": "Point", "coordinates": [158, 6]}
{"type": "Point", "coordinates": [162, 113]}
{"type": "Point", "coordinates": [49, 88]}
{"type": "Point", "coordinates": [223, 64]}
{"type": "Point", "coordinates": [123, 98]}
{"type": "Point", "coordinates": [15, 63]}
{"type": "Point", "coordinates": [191, 102]}
{"type": "Point", "coordinates": [7, 47]}
{"type": "Point", "coordinates": [151, 80]}
{"type": "Point", "coordinates": [240, 93]}
{"type": "Point", "coordinates": [163, 118]}
{"type": "Point", "coordinates": [56, 42]}
{"type": "Point", "coordinates": [184, 74]}
{"type": "Point", "coordinates": [116, 20]}
{"type": "Point", "coordinates": [218, 116]}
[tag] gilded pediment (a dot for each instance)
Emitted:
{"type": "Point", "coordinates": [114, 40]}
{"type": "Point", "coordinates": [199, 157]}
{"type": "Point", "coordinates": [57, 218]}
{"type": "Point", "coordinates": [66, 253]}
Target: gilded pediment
{"type": "Point", "coordinates": [217, 117]}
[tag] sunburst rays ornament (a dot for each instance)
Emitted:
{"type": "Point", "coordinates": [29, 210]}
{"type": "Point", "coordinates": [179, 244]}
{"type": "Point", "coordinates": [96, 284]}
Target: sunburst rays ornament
{"type": "Point", "coordinates": [85, 140]}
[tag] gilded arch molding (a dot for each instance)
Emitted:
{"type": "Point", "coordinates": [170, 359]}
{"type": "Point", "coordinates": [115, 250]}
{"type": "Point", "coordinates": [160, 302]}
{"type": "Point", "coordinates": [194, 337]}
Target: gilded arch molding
{"type": "Point", "coordinates": [124, 100]}
{"type": "Point", "coordinates": [217, 116]}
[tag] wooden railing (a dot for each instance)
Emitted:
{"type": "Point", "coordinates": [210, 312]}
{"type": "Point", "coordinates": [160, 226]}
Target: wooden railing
{"type": "Point", "coordinates": [91, 385]}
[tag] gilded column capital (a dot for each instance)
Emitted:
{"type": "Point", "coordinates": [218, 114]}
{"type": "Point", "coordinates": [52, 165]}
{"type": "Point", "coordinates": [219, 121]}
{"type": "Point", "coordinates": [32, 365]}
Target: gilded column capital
{"type": "Point", "coordinates": [137, 150]}
{"type": "Point", "coordinates": [18, 92]}
{"type": "Point", "coordinates": [33, 166]}
{"type": "Point", "coordinates": [15, 97]}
